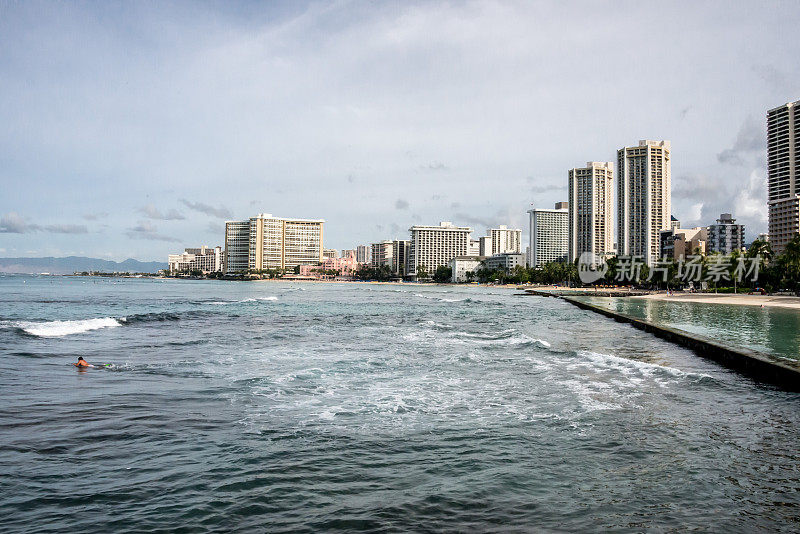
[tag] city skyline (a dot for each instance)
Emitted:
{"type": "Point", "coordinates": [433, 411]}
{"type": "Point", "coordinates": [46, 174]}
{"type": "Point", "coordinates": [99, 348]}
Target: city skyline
{"type": "Point", "coordinates": [163, 127]}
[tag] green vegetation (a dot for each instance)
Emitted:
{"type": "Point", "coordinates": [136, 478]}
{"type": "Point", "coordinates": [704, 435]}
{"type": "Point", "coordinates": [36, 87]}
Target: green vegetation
{"type": "Point", "coordinates": [443, 274]}
{"type": "Point", "coordinates": [381, 274]}
{"type": "Point", "coordinates": [549, 273]}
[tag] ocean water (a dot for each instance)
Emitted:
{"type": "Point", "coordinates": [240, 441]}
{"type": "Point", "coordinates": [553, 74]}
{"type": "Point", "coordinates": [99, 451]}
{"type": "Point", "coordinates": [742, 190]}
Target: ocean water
{"type": "Point", "coordinates": [280, 407]}
{"type": "Point", "coordinates": [773, 331]}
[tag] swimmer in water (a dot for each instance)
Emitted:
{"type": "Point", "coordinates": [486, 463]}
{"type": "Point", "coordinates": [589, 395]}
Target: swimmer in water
{"type": "Point", "coordinates": [82, 363]}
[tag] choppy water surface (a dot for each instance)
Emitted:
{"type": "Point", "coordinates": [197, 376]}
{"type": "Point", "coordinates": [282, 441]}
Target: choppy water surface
{"type": "Point", "coordinates": [286, 407]}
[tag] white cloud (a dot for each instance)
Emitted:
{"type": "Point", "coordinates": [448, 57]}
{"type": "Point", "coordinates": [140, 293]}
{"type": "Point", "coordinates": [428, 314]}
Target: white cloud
{"type": "Point", "coordinates": [272, 108]}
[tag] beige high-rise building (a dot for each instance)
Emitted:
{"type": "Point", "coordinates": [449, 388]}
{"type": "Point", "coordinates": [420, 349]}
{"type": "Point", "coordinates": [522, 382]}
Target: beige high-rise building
{"type": "Point", "coordinates": [272, 243]}
{"type": "Point", "coordinates": [643, 198]}
{"type": "Point", "coordinates": [432, 246]}
{"type": "Point", "coordinates": [783, 168]}
{"type": "Point", "coordinates": [590, 210]}
{"type": "Point", "coordinates": [382, 253]}
{"type": "Point", "coordinates": [505, 240]}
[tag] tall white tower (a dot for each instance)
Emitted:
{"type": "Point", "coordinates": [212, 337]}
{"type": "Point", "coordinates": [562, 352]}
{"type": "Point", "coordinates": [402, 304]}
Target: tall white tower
{"type": "Point", "coordinates": [644, 198]}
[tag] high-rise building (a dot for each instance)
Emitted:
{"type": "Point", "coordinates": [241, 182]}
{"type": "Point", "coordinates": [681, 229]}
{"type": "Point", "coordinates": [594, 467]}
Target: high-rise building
{"type": "Point", "coordinates": [643, 198]}
{"type": "Point", "coordinates": [725, 236]}
{"type": "Point", "coordinates": [474, 247]}
{"type": "Point", "coordinates": [382, 254]}
{"type": "Point", "coordinates": [346, 253]}
{"type": "Point", "coordinates": [485, 246]}
{"type": "Point", "coordinates": [400, 256]}
{"type": "Point", "coordinates": [206, 259]}
{"type": "Point", "coordinates": [364, 253]}
{"type": "Point", "coordinates": [549, 234]}
{"type": "Point", "coordinates": [432, 246]}
{"type": "Point", "coordinates": [505, 240]}
{"type": "Point", "coordinates": [272, 243]}
{"type": "Point", "coordinates": [237, 246]}
{"type": "Point", "coordinates": [783, 167]}
{"type": "Point", "coordinates": [330, 253]}
{"type": "Point", "coordinates": [674, 223]}
{"type": "Point", "coordinates": [590, 210]}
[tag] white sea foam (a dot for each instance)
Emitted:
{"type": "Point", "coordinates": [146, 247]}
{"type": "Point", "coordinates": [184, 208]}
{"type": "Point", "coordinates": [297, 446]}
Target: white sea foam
{"type": "Point", "coordinates": [436, 325]}
{"type": "Point", "coordinates": [260, 299]}
{"type": "Point", "coordinates": [66, 328]}
{"type": "Point", "coordinates": [609, 360]}
{"type": "Point", "coordinates": [439, 299]}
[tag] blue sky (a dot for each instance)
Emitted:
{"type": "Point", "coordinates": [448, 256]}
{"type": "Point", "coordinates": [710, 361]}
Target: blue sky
{"type": "Point", "coordinates": [136, 129]}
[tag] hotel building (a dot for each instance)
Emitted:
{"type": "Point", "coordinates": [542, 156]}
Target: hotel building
{"type": "Point", "coordinates": [237, 246]}
{"type": "Point", "coordinates": [485, 246]}
{"type": "Point", "coordinates": [272, 243]}
{"type": "Point", "coordinates": [643, 198]}
{"type": "Point", "coordinates": [725, 236]}
{"type": "Point", "coordinates": [382, 254]}
{"type": "Point", "coordinates": [364, 253]}
{"type": "Point", "coordinates": [505, 261]}
{"type": "Point", "coordinates": [590, 210]}
{"type": "Point", "coordinates": [400, 256]}
{"type": "Point", "coordinates": [505, 240]}
{"type": "Point", "coordinates": [783, 174]}
{"type": "Point", "coordinates": [678, 243]}
{"type": "Point", "coordinates": [206, 259]}
{"type": "Point", "coordinates": [461, 265]}
{"type": "Point", "coordinates": [549, 234]}
{"type": "Point", "coordinates": [432, 246]}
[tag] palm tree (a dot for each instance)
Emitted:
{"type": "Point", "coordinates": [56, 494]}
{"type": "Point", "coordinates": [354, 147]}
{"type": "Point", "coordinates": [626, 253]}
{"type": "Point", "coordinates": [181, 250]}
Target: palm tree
{"type": "Point", "coordinates": [789, 264]}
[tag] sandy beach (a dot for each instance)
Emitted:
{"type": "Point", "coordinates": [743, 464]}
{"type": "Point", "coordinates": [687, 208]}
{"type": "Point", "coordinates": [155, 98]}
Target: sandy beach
{"type": "Point", "coordinates": [731, 299]}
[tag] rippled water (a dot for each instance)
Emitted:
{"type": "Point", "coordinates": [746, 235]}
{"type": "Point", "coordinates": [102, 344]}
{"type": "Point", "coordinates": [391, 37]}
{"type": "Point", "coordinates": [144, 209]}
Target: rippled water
{"type": "Point", "coordinates": [770, 330]}
{"type": "Point", "coordinates": [286, 407]}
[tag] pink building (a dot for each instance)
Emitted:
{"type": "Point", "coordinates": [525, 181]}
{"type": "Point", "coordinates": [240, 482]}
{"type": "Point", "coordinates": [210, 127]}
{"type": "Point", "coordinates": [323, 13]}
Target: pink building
{"type": "Point", "coordinates": [345, 267]}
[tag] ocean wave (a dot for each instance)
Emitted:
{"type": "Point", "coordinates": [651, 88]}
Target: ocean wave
{"type": "Point", "coordinates": [434, 324]}
{"type": "Point", "coordinates": [150, 317]}
{"type": "Point", "coordinates": [647, 369]}
{"type": "Point", "coordinates": [441, 299]}
{"type": "Point", "coordinates": [66, 328]}
{"type": "Point", "coordinates": [243, 301]}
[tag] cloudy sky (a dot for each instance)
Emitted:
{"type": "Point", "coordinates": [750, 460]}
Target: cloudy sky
{"type": "Point", "coordinates": [135, 129]}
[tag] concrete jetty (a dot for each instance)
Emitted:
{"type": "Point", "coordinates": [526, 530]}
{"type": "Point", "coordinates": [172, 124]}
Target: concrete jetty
{"type": "Point", "coordinates": [781, 372]}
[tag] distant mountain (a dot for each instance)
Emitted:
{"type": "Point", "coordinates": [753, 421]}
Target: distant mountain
{"type": "Point", "coordinates": [71, 264]}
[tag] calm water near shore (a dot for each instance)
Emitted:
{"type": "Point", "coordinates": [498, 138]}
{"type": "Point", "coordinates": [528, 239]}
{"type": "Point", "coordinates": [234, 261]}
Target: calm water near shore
{"type": "Point", "coordinates": [772, 330]}
{"type": "Point", "coordinates": [319, 407]}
